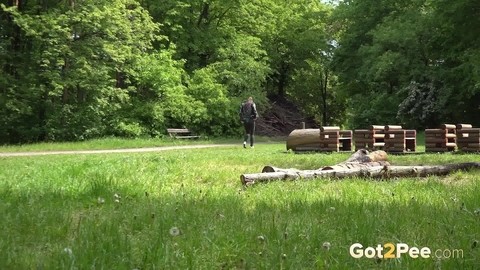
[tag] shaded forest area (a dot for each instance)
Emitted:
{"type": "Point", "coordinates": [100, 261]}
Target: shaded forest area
{"type": "Point", "coordinates": [80, 69]}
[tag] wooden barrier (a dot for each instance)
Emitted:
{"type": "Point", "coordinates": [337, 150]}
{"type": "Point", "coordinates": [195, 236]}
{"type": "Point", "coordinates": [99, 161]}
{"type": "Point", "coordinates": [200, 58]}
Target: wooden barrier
{"type": "Point", "coordinates": [400, 140]}
{"type": "Point", "coordinates": [468, 138]}
{"type": "Point", "coordinates": [441, 140]}
{"type": "Point", "coordinates": [332, 139]}
{"type": "Point", "coordinates": [372, 138]}
{"type": "Point", "coordinates": [325, 139]}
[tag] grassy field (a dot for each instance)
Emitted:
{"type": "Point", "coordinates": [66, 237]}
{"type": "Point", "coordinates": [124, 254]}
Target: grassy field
{"type": "Point", "coordinates": [120, 143]}
{"type": "Point", "coordinates": [99, 144]}
{"type": "Point", "coordinates": [187, 209]}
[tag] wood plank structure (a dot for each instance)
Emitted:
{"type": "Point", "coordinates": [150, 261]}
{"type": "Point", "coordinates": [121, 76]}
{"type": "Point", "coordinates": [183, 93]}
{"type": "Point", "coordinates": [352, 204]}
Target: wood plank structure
{"type": "Point", "coordinates": [468, 138]}
{"type": "Point", "coordinates": [372, 138]}
{"type": "Point", "coordinates": [332, 139]}
{"type": "Point", "coordinates": [443, 139]}
{"type": "Point", "coordinates": [399, 140]}
{"type": "Point", "coordinates": [324, 139]}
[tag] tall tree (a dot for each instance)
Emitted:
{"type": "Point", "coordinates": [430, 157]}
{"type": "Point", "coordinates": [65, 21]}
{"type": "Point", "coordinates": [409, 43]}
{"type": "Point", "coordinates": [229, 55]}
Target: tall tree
{"type": "Point", "coordinates": [72, 73]}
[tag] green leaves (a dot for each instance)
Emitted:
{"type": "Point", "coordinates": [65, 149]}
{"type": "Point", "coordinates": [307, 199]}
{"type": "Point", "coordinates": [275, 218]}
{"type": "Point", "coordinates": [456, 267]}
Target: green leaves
{"type": "Point", "coordinates": [405, 49]}
{"type": "Point", "coordinates": [73, 64]}
{"type": "Point", "coordinates": [74, 70]}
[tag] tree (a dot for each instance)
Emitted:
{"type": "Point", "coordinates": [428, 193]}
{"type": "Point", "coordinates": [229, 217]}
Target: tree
{"type": "Point", "coordinates": [72, 66]}
{"type": "Point", "coordinates": [412, 61]}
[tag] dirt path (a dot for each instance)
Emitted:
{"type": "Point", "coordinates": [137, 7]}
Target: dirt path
{"type": "Point", "coordinates": [128, 150]}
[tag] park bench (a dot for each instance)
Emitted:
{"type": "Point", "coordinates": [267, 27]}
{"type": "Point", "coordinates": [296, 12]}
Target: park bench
{"type": "Point", "coordinates": [181, 133]}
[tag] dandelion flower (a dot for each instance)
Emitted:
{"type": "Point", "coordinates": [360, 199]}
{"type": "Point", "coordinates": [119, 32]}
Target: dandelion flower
{"type": "Point", "coordinates": [174, 231]}
{"type": "Point", "coordinates": [68, 251]}
{"type": "Point", "coordinates": [100, 200]}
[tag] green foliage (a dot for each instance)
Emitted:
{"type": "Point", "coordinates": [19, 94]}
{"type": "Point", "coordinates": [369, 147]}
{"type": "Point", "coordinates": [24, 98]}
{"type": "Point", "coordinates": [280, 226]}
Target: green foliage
{"type": "Point", "coordinates": [420, 107]}
{"type": "Point", "coordinates": [242, 65]}
{"type": "Point", "coordinates": [314, 89]}
{"type": "Point", "coordinates": [160, 100]}
{"type": "Point", "coordinates": [71, 66]}
{"type": "Point", "coordinates": [217, 118]}
{"type": "Point", "coordinates": [413, 53]}
{"type": "Point", "coordinates": [76, 70]}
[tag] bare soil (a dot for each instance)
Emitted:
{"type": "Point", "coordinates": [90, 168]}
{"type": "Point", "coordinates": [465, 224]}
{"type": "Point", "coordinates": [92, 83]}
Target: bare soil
{"type": "Point", "coordinates": [281, 119]}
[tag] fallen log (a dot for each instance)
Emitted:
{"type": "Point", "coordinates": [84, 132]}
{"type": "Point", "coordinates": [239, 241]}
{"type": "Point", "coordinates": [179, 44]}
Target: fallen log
{"type": "Point", "coordinates": [373, 171]}
{"type": "Point", "coordinates": [303, 138]}
{"type": "Point", "coordinates": [360, 164]}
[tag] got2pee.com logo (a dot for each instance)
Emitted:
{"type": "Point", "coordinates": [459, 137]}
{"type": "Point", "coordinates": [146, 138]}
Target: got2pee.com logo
{"type": "Point", "coordinates": [395, 251]}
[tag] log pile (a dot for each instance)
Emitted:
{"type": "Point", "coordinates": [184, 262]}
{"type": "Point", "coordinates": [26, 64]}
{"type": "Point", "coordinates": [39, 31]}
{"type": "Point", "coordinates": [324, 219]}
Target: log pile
{"type": "Point", "coordinates": [324, 139]}
{"type": "Point", "coordinates": [360, 164]}
{"type": "Point", "coordinates": [332, 139]}
{"type": "Point", "coordinates": [398, 140]}
{"type": "Point", "coordinates": [468, 138]}
{"type": "Point", "coordinates": [443, 139]}
{"type": "Point", "coordinates": [372, 139]}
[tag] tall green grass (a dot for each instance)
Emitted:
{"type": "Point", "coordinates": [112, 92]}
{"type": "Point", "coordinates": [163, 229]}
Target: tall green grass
{"type": "Point", "coordinates": [117, 211]}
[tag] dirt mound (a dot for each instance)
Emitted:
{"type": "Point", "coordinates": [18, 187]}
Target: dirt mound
{"type": "Point", "coordinates": [281, 118]}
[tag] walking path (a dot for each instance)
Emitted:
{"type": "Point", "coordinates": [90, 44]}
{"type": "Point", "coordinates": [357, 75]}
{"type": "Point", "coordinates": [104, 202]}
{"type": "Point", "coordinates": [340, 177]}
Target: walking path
{"type": "Point", "coordinates": [129, 150]}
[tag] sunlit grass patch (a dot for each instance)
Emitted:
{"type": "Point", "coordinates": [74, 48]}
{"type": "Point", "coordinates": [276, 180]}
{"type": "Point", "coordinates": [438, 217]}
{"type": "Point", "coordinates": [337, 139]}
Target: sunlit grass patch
{"type": "Point", "coordinates": [117, 211]}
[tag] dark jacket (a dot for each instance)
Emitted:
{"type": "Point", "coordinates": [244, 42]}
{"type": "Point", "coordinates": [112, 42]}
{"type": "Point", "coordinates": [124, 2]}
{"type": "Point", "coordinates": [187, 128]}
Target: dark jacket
{"type": "Point", "coordinates": [248, 112]}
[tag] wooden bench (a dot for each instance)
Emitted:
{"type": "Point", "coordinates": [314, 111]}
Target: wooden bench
{"type": "Point", "coordinates": [181, 133]}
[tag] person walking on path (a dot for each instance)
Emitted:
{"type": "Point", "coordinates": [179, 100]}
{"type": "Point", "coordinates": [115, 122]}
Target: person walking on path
{"type": "Point", "coordinates": [248, 115]}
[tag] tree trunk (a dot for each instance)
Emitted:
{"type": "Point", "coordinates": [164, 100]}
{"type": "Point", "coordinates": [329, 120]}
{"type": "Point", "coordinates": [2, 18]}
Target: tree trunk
{"type": "Point", "coordinates": [282, 79]}
{"type": "Point", "coordinates": [357, 170]}
{"type": "Point", "coordinates": [324, 99]}
{"type": "Point", "coordinates": [360, 164]}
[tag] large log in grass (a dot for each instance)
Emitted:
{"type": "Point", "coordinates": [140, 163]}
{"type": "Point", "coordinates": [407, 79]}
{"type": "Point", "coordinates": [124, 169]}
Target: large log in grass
{"type": "Point", "coordinates": [360, 164]}
{"type": "Point", "coordinates": [299, 138]}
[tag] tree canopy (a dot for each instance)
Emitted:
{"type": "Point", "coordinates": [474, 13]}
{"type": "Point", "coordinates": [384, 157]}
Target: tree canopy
{"type": "Point", "coordinates": [79, 69]}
